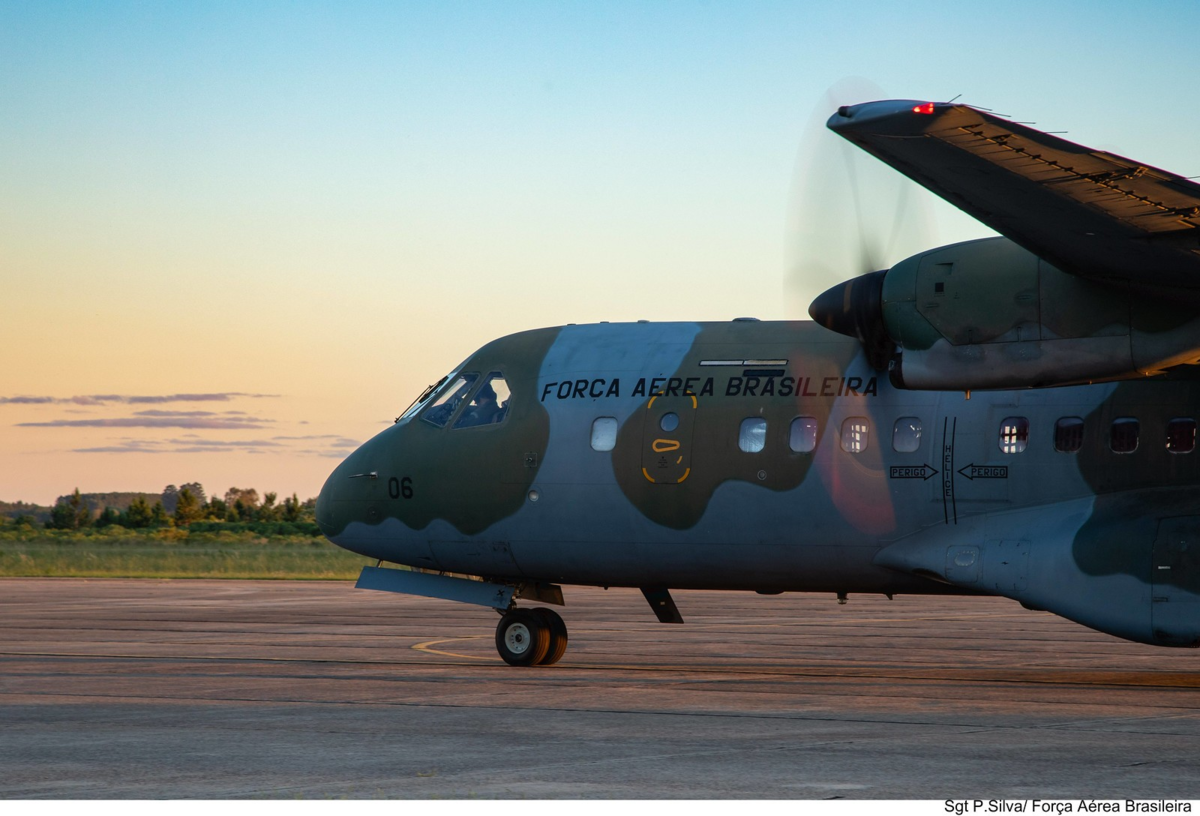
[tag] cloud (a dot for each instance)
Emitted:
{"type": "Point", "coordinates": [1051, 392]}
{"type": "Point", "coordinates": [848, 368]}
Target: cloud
{"type": "Point", "coordinates": [126, 445]}
{"type": "Point", "coordinates": [188, 443]}
{"type": "Point", "coordinates": [225, 443]}
{"type": "Point", "coordinates": [224, 396]}
{"type": "Point", "coordinates": [174, 413]}
{"type": "Point", "coordinates": [191, 422]}
{"type": "Point", "coordinates": [340, 441]}
{"type": "Point", "coordinates": [29, 400]}
{"type": "Point", "coordinates": [125, 399]}
{"type": "Point", "coordinates": [117, 449]}
{"type": "Point", "coordinates": [331, 446]}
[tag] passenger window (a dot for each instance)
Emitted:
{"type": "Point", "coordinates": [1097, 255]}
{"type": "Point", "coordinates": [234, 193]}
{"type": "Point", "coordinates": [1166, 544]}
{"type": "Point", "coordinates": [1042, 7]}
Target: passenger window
{"type": "Point", "coordinates": [802, 436]}
{"type": "Point", "coordinates": [444, 407]}
{"type": "Point", "coordinates": [855, 432]}
{"type": "Point", "coordinates": [752, 437]}
{"type": "Point", "coordinates": [489, 405]}
{"type": "Point", "coordinates": [1124, 437]}
{"type": "Point", "coordinates": [1181, 435]}
{"type": "Point", "coordinates": [1068, 435]}
{"type": "Point", "coordinates": [906, 435]}
{"type": "Point", "coordinates": [604, 433]}
{"type": "Point", "coordinates": [1014, 434]}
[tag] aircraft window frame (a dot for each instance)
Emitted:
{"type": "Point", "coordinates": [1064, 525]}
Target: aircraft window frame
{"type": "Point", "coordinates": [1013, 437]}
{"type": "Point", "coordinates": [479, 415]}
{"type": "Point", "coordinates": [806, 443]}
{"type": "Point", "coordinates": [1188, 440]}
{"type": "Point", "coordinates": [752, 435]}
{"type": "Point", "coordinates": [856, 434]}
{"type": "Point", "coordinates": [601, 433]}
{"type": "Point", "coordinates": [910, 436]}
{"type": "Point", "coordinates": [1068, 434]}
{"type": "Point", "coordinates": [1126, 423]}
{"type": "Point", "coordinates": [455, 390]}
{"type": "Point", "coordinates": [420, 401]}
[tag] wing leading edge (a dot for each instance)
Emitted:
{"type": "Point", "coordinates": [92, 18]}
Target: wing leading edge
{"type": "Point", "coordinates": [1090, 213]}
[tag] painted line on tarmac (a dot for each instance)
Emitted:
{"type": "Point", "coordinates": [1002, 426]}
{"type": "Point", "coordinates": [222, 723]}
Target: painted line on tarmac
{"type": "Point", "coordinates": [424, 647]}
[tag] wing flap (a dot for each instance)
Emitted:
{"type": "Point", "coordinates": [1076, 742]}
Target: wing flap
{"type": "Point", "coordinates": [1091, 213]}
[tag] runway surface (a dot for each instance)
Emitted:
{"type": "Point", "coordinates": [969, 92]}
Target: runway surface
{"type": "Point", "coordinates": [145, 689]}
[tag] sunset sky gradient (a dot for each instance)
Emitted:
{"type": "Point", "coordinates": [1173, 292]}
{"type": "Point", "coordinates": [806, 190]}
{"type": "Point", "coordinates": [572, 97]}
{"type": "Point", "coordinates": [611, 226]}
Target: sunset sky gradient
{"type": "Point", "coordinates": [237, 239]}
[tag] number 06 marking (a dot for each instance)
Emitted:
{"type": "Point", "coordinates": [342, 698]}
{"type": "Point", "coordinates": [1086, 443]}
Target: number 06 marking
{"type": "Point", "coordinates": [398, 488]}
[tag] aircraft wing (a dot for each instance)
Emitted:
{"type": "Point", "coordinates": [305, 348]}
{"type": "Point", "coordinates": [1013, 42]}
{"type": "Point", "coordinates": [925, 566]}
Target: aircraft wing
{"type": "Point", "coordinates": [1090, 213]}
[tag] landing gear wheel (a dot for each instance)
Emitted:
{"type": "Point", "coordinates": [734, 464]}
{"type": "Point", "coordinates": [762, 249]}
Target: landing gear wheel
{"type": "Point", "coordinates": [522, 638]}
{"type": "Point", "coordinates": [558, 635]}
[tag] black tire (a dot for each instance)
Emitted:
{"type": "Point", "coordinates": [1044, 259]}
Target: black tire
{"type": "Point", "coordinates": [558, 635]}
{"type": "Point", "coordinates": [522, 638]}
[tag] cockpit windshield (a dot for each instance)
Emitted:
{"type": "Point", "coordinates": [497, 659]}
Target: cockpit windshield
{"type": "Point", "coordinates": [489, 406]}
{"type": "Point", "coordinates": [419, 401]}
{"type": "Point", "coordinates": [443, 408]}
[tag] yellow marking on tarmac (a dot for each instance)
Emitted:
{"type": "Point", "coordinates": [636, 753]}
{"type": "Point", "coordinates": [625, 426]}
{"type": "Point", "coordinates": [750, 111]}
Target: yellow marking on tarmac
{"type": "Point", "coordinates": [424, 647]}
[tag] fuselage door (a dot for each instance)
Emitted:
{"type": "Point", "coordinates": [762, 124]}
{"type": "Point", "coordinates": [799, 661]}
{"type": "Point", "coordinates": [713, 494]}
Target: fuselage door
{"type": "Point", "coordinates": [667, 426]}
{"type": "Point", "coordinates": [1175, 582]}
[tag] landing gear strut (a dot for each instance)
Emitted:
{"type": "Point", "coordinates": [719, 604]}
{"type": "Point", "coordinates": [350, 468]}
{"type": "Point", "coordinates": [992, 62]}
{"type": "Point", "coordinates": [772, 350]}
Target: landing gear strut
{"type": "Point", "coordinates": [531, 637]}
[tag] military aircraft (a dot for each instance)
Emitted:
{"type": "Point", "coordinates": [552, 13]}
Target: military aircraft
{"type": "Point", "coordinates": [1010, 416]}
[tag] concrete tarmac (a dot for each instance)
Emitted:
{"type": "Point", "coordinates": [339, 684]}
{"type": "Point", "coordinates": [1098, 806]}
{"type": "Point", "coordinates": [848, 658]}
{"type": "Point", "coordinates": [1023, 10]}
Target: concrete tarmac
{"type": "Point", "coordinates": [147, 689]}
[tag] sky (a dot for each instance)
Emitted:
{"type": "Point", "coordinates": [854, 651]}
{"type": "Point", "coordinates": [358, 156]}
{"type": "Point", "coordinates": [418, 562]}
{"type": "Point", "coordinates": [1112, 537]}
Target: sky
{"type": "Point", "coordinates": [237, 239]}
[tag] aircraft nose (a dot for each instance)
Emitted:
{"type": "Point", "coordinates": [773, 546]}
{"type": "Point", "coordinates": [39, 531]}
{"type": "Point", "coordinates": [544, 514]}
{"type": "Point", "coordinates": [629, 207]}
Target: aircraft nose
{"type": "Point", "coordinates": [354, 491]}
{"type": "Point", "coordinates": [325, 513]}
{"type": "Point", "coordinates": [329, 502]}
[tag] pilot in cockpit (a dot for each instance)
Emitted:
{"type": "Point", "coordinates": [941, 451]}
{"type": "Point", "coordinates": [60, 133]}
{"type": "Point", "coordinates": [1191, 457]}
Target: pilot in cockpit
{"type": "Point", "coordinates": [485, 408]}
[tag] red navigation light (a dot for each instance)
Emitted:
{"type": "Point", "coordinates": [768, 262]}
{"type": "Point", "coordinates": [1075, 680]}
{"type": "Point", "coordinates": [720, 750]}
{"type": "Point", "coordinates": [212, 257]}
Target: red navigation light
{"type": "Point", "coordinates": [926, 108]}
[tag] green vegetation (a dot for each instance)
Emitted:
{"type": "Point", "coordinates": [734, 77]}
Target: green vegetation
{"type": "Point", "coordinates": [181, 534]}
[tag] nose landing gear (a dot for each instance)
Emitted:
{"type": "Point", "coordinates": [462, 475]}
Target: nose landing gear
{"type": "Point", "coordinates": [531, 637]}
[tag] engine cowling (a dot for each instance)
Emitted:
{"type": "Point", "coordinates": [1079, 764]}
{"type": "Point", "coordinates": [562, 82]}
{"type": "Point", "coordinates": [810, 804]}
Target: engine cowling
{"type": "Point", "coordinates": [988, 314]}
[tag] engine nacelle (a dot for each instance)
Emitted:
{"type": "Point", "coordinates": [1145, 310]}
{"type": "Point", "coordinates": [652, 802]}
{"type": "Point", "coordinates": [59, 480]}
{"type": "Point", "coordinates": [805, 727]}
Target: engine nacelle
{"type": "Point", "coordinates": [988, 314]}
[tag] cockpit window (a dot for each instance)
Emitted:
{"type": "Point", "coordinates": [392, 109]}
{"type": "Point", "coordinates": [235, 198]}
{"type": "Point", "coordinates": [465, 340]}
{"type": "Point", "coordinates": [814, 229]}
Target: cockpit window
{"type": "Point", "coordinates": [419, 401]}
{"type": "Point", "coordinates": [489, 406]}
{"type": "Point", "coordinates": [443, 408]}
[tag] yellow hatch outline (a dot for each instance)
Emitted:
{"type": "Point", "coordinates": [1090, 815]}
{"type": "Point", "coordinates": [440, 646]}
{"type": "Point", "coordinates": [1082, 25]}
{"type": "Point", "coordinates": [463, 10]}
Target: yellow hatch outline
{"type": "Point", "coordinates": [695, 402]}
{"type": "Point", "coordinates": [666, 445]}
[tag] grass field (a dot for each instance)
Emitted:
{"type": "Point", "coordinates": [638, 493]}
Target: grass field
{"type": "Point", "coordinates": [158, 555]}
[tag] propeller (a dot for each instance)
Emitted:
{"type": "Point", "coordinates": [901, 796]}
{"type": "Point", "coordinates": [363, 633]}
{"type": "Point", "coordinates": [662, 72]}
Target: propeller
{"type": "Point", "coordinates": [849, 218]}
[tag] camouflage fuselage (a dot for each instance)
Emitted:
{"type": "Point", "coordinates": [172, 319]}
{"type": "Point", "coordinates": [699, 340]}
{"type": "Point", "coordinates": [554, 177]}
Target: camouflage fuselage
{"type": "Point", "coordinates": [1101, 537]}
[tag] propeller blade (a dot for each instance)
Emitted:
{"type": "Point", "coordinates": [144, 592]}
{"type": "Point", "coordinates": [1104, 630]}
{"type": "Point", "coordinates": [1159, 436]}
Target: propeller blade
{"type": "Point", "coordinates": [849, 215]}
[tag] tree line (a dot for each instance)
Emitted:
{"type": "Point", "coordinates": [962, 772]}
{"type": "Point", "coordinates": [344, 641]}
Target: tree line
{"type": "Point", "coordinates": [180, 506]}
